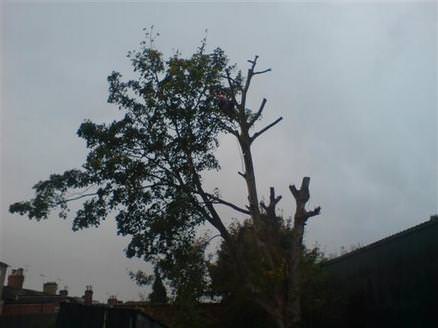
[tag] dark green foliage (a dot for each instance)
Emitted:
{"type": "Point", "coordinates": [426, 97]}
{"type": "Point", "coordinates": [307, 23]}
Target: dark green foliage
{"type": "Point", "coordinates": [270, 279]}
{"type": "Point", "coordinates": [187, 275]}
{"type": "Point", "coordinates": [264, 268]}
{"type": "Point", "coordinates": [317, 290]}
{"type": "Point", "coordinates": [146, 167]}
{"type": "Point", "coordinates": [159, 293]}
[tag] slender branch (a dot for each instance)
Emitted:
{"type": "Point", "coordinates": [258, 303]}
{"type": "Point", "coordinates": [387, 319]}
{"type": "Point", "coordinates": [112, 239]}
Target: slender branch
{"type": "Point", "coordinates": [262, 72]}
{"type": "Point", "coordinates": [230, 130]}
{"type": "Point", "coordinates": [214, 219]}
{"type": "Point", "coordinates": [97, 193]}
{"type": "Point", "coordinates": [251, 73]}
{"type": "Point", "coordinates": [257, 134]}
{"type": "Point", "coordinates": [210, 239]}
{"type": "Point", "coordinates": [258, 114]}
{"type": "Point", "coordinates": [78, 197]}
{"type": "Point", "coordinates": [253, 62]}
{"type": "Point", "coordinates": [78, 193]}
{"type": "Point", "coordinates": [228, 77]}
{"type": "Point", "coordinates": [224, 202]}
{"type": "Point", "coordinates": [247, 84]}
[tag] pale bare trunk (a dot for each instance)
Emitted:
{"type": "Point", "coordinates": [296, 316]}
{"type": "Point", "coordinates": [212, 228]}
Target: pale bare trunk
{"type": "Point", "coordinates": [249, 176]}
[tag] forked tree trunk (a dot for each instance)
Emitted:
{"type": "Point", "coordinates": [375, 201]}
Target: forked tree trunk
{"type": "Point", "coordinates": [302, 195]}
{"type": "Point", "coordinates": [287, 313]}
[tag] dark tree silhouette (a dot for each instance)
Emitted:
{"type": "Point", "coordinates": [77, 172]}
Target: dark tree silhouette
{"type": "Point", "coordinates": [147, 167]}
{"type": "Point", "coordinates": [159, 293]}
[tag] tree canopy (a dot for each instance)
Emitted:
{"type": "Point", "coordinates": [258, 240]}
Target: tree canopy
{"type": "Point", "coordinates": [147, 166]}
{"type": "Point", "coordinates": [147, 170]}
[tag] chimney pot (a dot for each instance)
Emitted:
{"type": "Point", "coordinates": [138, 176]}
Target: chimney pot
{"type": "Point", "coordinates": [88, 296]}
{"type": "Point", "coordinates": [50, 288]}
{"type": "Point", "coordinates": [64, 292]}
{"type": "Point", "coordinates": [112, 300]}
{"type": "Point", "coordinates": [16, 278]}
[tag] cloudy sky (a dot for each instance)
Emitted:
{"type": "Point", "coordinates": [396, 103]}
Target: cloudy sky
{"type": "Point", "coordinates": [356, 84]}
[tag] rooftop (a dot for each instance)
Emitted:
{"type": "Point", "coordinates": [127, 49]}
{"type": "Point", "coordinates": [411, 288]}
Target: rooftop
{"type": "Point", "coordinates": [402, 234]}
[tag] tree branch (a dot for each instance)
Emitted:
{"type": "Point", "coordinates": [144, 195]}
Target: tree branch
{"type": "Point", "coordinates": [257, 134]}
{"type": "Point", "coordinates": [231, 84]}
{"type": "Point", "coordinates": [302, 196]}
{"type": "Point", "coordinates": [97, 193]}
{"type": "Point", "coordinates": [270, 209]}
{"type": "Point", "coordinates": [205, 244]}
{"type": "Point", "coordinates": [218, 200]}
{"type": "Point", "coordinates": [258, 114]}
{"type": "Point", "coordinates": [78, 197]}
{"type": "Point", "coordinates": [253, 62]}
{"type": "Point", "coordinates": [214, 219]}
{"type": "Point", "coordinates": [247, 84]}
{"type": "Point", "coordinates": [262, 72]}
{"type": "Point", "coordinates": [294, 290]}
{"type": "Point", "coordinates": [314, 212]}
{"type": "Point", "coordinates": [230, 130]}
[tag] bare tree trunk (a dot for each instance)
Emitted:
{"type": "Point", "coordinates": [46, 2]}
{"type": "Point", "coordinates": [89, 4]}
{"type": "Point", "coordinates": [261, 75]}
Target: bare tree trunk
{"type": "Point", "coordinates": [249, 176]}
{"type": "Point", "coordinates": [286, 313]}
{"type": "Point", "coordinates": [246, 121]}
{"type": "Point", "coordinates": [301, 196]}
{"type": "Point", "coordinates": [294, 292]}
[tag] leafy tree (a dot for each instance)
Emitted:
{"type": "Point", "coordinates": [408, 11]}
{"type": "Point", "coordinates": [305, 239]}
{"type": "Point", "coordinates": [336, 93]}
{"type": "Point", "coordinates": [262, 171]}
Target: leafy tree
{"type": "Point", "coordinates": [147, 167]}
{"type": "Point", "coordinates": [159, 293]}
{"type": "Point", "coordinates": [270, 279]}
{"type": "Point", "coordinates": [187, 275]}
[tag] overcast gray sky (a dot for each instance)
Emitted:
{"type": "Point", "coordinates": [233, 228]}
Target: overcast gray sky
{"type": "Point", "coordinates": [356, 84]}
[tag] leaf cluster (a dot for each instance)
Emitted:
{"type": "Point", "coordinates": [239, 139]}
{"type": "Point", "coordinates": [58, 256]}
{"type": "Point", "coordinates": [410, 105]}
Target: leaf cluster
{"type": "Point", "coordinates": [262, 278]}
{"type": "Point", "coordinates": [146, 167]}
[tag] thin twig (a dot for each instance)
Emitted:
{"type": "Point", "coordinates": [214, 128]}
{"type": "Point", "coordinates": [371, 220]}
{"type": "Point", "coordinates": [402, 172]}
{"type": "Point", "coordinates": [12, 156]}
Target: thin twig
{"type": "Point", "coordinates": [218, 200]}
